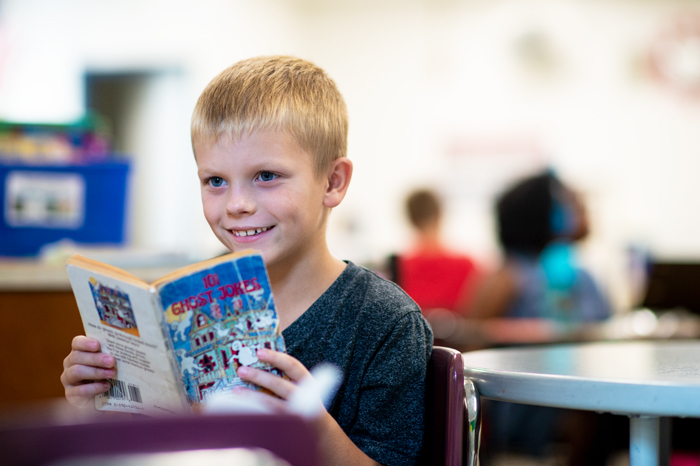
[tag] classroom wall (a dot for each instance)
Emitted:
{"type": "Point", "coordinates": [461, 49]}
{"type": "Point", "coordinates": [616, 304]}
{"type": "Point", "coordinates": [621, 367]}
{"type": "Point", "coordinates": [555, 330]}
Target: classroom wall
{"type": "Point", "coordinates": [465, 95]}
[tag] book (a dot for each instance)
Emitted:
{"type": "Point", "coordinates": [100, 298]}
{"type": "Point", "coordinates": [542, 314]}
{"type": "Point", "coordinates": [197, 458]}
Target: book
{"type": "Point", "coordinates": [179, 340]}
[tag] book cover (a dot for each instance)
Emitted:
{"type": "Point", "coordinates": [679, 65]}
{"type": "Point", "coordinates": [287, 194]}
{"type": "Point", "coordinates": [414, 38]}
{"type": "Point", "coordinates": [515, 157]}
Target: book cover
{"type": "Point", "coordinates": [181, 339]}
{"type": "Point", "coordinates": [216, 320]}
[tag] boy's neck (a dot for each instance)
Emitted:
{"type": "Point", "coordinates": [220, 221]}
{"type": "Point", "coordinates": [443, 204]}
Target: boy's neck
{"type": "Point", "coordinates": [298, 286]}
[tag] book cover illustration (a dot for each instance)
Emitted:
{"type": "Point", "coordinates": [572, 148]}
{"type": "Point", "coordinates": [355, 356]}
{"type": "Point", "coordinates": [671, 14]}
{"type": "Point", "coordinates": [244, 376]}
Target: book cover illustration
{"type": "Point", "coordinates": [114, 307]}
{"type": "Point", "coordinates": [217, 319]}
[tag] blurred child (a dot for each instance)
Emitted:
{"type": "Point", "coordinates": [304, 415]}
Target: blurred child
{"type": "Point", "coordinates": [540, 282]}
{"type": "Point", "coordinates": [269, 136]}
{"type": "Point", "coordinates": [539, 221]}
{"type": "Point", "coordinates": [433, 274]}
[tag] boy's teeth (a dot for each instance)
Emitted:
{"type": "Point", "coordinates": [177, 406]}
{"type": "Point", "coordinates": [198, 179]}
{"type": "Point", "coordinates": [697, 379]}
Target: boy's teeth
{"type": "Point", "coordinates": [249, 232]}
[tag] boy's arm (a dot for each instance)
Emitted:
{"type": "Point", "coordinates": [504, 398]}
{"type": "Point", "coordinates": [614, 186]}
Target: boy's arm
{"type": "Point", "coordinates": [336, 447]}
{"type": "Point", "coordinates": [85, 371]}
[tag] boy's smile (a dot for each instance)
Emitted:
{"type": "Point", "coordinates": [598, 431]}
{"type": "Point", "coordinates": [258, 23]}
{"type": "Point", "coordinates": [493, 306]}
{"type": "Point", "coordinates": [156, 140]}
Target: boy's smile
{"type": "Point", "coordinates": [262, 192]}
{"type": "Point", "coordinates": [251, 232]}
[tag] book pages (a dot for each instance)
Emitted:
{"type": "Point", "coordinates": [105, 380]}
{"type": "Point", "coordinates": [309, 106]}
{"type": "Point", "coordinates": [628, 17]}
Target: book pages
{"type": "Point", "coordinates": [125, 318]}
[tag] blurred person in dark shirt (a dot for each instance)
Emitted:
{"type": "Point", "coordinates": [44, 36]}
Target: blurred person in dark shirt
{"type": "Point", "coordinates": [541, 293]}
{"type": "Point", "coordinates": [539, 221]}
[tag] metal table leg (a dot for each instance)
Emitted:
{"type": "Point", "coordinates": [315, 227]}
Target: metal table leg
{"type": "Point", "coordinates": [644, 441]}
{"type": "Point", "coordinates": [473, 406]}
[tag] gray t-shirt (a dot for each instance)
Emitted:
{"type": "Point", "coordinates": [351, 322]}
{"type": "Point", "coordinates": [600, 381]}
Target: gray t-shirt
{"type": "Point", "coordinates": [375, 334]}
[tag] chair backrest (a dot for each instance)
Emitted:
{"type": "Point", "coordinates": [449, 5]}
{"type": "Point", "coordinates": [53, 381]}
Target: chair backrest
{"type": "Point", "coordinates": [444, 408]}
{"type": "Point", "coordinates": [289, 438]}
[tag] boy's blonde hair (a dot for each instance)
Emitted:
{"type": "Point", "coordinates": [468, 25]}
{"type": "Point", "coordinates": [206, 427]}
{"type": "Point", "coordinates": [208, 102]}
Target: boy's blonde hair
{"type": "Point", "coordinates": [275, 93]}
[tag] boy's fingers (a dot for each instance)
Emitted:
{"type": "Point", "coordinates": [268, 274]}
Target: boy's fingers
{"type": "Point", "coordinates": [83, 343]}
{"type": "Point", "coordinates": [255, 396]}
{"type": "Point", "coordinates": [102, 360]}
{"type": "Point", "coordinates": [88, 390]}
{"type": "Point", "coordinates": [281, 387]}
{"type": "Point", "coordinates": [286, 363]}
{"type": "Point", "coordinates": [79, 395]}
{"type": "Point", "coordinates": [78, 373]}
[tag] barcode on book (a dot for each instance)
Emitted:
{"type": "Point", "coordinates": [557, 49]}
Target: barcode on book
{"type": "Point", "coordinates": [120, 390]}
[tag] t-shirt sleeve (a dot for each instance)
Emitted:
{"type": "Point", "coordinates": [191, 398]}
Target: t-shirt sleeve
{"type": "Point", "coordinates": [390, 425]}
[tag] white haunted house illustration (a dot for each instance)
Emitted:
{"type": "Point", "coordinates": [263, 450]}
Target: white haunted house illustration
{"type": "Point", "coordinates": [219, 347]}
{"type": "Point", "coordinates": [113, 305]}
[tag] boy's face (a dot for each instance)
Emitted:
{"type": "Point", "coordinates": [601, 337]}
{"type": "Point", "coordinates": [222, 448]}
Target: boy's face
{"type": "Point", "coordinates": [262, 192]}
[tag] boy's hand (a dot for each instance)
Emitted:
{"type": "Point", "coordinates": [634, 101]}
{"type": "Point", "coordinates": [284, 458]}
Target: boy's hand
{"type": "Point", "coordinates": [283, 388]}
{"type": "Point", "coordinates": [85, 371]}
{"type": "Point", "coordinates": [336, 448]}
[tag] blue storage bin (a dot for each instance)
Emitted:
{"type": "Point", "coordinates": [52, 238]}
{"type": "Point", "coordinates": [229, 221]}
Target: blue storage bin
{"type": "Point", "coordinates": [45, 203]}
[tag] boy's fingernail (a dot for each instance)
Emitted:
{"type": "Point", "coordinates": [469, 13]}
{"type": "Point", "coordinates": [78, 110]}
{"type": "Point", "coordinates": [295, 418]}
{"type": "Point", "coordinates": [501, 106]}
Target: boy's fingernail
{"type": "Point", "coordinates": [243, 370]}
{"type": "Point", "coordinates": [108, 360]}
{"type": "Point", "coordinates": [263, 352]}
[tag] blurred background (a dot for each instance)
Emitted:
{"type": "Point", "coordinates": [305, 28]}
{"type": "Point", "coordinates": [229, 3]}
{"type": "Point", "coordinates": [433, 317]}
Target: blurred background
{"type": "Point", "coordinates": [462, 96]}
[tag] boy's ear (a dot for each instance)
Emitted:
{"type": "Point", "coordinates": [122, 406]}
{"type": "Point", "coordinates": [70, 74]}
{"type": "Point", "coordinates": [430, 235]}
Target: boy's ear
{"type": "Point", "coordinates": [338, 181]}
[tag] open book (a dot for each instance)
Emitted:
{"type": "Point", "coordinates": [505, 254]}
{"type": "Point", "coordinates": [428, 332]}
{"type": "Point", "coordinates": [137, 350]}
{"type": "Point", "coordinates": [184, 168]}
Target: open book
{"type": "Point", "coordinates": [180, 339]}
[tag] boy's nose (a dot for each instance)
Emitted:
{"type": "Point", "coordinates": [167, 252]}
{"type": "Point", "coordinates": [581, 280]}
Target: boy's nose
{"type": "Point", "coordinates": [240, 202]}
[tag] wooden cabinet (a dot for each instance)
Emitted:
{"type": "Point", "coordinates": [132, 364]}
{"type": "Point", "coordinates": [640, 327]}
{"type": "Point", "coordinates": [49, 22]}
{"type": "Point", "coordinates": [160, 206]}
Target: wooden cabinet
{"type": "Point", "coordinates": [36, 330]}
{"type": "Point", "coordinates": [38, 320]}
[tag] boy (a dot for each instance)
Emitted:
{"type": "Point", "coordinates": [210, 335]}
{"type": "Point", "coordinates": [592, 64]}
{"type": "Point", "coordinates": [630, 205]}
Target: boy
{"type": "Point", "coordinates": [269, 136]}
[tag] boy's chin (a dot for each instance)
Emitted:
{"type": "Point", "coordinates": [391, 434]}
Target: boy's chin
{"type": "Point", "coordinates": [270, 258]}
{"type": "Point", "coordinates": [265, 255]}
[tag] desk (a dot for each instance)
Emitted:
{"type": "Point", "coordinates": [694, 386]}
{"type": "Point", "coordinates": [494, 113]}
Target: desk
{"type": "Point", "coordinates": [219, 456]}
{"type": "Point", "coordinates": [645, 380]}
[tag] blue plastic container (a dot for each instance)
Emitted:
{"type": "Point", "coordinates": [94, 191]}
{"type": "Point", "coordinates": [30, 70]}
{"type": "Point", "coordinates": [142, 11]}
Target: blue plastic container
{"type": "Point", "coordinates": [43, 204]}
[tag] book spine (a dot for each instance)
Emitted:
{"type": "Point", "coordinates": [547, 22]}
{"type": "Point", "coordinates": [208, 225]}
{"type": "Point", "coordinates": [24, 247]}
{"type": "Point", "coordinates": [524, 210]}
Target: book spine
{"type": "Point", "coordinates": [170, 350]}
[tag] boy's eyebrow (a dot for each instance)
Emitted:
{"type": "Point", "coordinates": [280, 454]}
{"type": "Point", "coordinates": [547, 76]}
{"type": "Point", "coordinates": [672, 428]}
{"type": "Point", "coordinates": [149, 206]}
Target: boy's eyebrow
{"type": "Point", "coordinates": [261, 165]}
{"type": "Point", "coordinates": [269, 164]}
{"type": "Point", "coordinates": [205, 172]}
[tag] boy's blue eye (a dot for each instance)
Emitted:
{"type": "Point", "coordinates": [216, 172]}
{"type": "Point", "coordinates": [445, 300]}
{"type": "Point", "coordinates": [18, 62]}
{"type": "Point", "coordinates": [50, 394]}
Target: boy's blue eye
{"type": "Point", "coordinates": [267, 176]}
{"type": "Point", "coordinates": [216, 181]}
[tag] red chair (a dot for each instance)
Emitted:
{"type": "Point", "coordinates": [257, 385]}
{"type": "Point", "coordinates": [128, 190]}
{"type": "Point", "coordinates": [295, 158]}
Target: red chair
{"type": "Point", "coordinates": [289, 438]}
{"type": "Point", "coordinates": [451, 419]}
